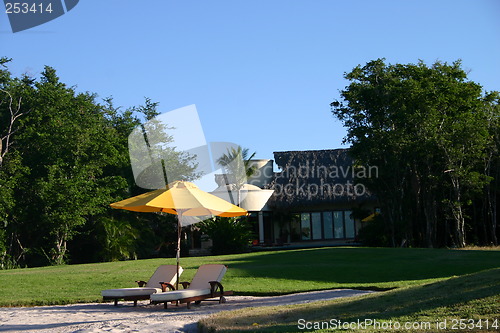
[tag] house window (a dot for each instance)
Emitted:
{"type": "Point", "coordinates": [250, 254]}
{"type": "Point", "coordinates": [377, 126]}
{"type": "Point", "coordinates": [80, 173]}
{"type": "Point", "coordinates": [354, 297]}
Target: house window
{"type": "Point", "coordinates": [338, 223]}
{"type": "Point", "coordinates": [305, 226]}
{"type": "Point", "coordinates": [268, 228]}
{"type": "Point", "coordinates": [295, 228]}
{"type": "Point", "coordinates": [316, 226]}
{"type": "Point", "coordinates": [328, 225]}
{"type": "Point", "coordinates": [253, 220]}
{"type": "Point", "coordinates": [349, 224]}
{"type": "Point", "coordinates": [322, 225]}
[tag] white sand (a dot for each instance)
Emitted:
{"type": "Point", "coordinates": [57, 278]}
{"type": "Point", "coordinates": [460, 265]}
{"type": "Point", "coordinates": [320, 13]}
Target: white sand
{"type": "Point", "coordinates": [145, 317]}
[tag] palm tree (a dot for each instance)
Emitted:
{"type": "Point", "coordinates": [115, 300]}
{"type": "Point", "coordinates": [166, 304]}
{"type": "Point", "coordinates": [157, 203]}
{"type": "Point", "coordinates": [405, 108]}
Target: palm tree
{"type": "Point", "coordinates": [236, 165]}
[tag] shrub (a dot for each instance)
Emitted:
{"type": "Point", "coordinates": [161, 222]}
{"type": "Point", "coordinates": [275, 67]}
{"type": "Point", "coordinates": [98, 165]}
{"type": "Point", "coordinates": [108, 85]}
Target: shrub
{"type": "Point", "coordinates": [228, 234]}
{"type": "Point", "coordinates": [374, 233]}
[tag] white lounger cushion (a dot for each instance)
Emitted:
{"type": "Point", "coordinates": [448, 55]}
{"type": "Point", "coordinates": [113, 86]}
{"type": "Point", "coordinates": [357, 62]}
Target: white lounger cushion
{"type": "Point", "coordinates": [200, 285]}
{"type": "Point", "coordinates": [178, 294]}
{"type": "Point", "coordinates": [164, 273]}
{"type": "Point", "coordinates": [207, 273]}
{"type": "Point", "coordinates": [126, 292]}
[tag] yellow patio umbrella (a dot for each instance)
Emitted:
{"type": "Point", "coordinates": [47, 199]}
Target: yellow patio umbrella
{"type": "Point", "coordinates": [182, 199]}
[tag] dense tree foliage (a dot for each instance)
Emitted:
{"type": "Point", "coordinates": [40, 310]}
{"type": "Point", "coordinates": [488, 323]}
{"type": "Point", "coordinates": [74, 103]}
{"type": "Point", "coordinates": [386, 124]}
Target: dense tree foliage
{"type": "Point", "coordinates": [434, 136]}
{"type": "Point", "coordinates": [63, 160]}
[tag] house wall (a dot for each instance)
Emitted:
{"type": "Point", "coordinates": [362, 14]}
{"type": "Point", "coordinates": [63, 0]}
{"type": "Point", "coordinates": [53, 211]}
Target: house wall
{"type": "Point", "coordinates": [263, 175]}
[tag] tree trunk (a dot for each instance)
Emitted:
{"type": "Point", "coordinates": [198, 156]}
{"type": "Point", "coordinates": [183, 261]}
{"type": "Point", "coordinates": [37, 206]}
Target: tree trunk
{"type": "Point", "coordinates": [15, 113]}
{"type": "Point", "coordinates": [61, 248]}
{"type": "Point", "coordinates": [490, 216]}
{"type": "Point", "coordinates": [430, 218]}
{"type": "Point", "coordinates": [395, 217]}
{"type": "Point", "coordinates": [492, 203]}
{"type": "Point", "coordinates": [459, 228]}
{"type": "Point", "coordinates": [456, 208]}
{"type": "Point", "coordinates": [389, 214]}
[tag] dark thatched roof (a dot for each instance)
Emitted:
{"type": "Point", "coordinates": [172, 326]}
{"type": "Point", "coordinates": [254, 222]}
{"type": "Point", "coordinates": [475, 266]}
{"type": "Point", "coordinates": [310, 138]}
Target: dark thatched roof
{"type": "Point", "coordinates": [318, 177]}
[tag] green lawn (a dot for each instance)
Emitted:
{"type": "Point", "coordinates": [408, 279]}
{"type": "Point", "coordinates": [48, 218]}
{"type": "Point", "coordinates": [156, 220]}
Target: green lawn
{"type": "Point", "coordinates": [262, 273]}
{"type": "Point", "coordinates": [474, 299]}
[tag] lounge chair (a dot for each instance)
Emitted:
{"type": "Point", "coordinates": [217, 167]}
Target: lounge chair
{"type": "Point", "coordinates": [164, 277]}
{"type": "Point", "coordinates": [206, 284]}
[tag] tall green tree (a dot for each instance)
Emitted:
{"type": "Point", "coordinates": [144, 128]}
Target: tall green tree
{"type": "Point", "coordinates": [425, 128]}
{"type": "Point", "coordinates": [12, 110]}
{"type": "Point", "coordinates": [67, 145]}
{"type": "Point", "coordinates": [64, 159]}
{"type": "Point", "coordinates": [491, 167]}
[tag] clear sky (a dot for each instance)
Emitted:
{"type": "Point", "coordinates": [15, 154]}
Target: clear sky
{"type": "Point", "coordinates": [262, 73]}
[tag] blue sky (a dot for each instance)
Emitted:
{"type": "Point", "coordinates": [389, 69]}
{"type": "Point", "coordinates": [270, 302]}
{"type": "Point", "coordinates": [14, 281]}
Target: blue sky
{"type": "Point", "coordinates": [262, 73]}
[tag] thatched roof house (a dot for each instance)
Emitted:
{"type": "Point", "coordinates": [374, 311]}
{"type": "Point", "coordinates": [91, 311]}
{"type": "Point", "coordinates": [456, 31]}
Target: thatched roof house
{"type": "Point", "coordinates": [319, 178]}
{"type": "Point", "coordinates": [316, 195]}
{"type": "Point", "coordinates": [318, 198]}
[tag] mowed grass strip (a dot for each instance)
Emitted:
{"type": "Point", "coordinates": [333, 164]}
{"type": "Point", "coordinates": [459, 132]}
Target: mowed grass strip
{"type": "Point", "coordinates": [474, 298]}
{"type": "Point", "coordinates": [260, 273]}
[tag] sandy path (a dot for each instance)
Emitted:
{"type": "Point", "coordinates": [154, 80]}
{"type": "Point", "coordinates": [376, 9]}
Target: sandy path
{"type": "Point", "coordinates": [94, 317]}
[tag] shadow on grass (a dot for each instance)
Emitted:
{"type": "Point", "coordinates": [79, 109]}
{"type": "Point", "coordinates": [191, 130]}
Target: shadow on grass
{"type": "Point", "coordinates": [362, 266]}
{"type": "Point", "coordinates": [449, 297]}
{"type": "Point", "coordinates": [257, 274]}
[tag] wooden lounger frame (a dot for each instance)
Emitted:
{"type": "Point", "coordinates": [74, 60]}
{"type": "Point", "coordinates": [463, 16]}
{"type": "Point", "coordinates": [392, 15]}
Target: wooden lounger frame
{"type": "Point", "coordinates": [135, 298]}
{"type": "Point", "coordinates": [216, 290]}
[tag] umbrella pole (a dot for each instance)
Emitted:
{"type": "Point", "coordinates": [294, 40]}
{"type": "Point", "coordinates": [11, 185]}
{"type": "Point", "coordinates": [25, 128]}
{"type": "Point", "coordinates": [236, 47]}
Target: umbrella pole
{"type": "Point", "coordinates": [179, 230]}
